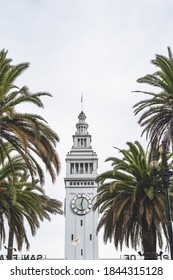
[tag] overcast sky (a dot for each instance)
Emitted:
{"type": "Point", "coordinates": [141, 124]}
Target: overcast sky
{"type": "Point", "coordinates": [98, 47]}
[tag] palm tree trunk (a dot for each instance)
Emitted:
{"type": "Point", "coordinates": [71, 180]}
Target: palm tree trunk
{"type": "Point", "coordinates": [149, 240]}
{"type": "Point", "coordinates": [10, 241]}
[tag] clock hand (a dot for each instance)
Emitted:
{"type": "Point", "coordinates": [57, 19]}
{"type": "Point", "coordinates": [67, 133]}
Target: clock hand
{"type": "Point", "coordinates": [82, 203]}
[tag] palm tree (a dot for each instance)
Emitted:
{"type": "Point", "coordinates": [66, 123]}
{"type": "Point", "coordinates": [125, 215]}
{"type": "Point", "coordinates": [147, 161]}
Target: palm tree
{"type": "Point", "coordinates": [10, 166]}
{"type": "Point", "coordinates": [30, 205]}
{"type": "Point", "coordinates": [21, 201]}
{"type": "Point", "coordinates": [29, 134]}
{"type": "Point", "coordinates": [133, 210]}
{"type": "Point", "coordinates": [157, 110]}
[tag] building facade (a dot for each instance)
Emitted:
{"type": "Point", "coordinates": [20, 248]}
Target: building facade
{"type": "Point", "coordinates": [81, 241]}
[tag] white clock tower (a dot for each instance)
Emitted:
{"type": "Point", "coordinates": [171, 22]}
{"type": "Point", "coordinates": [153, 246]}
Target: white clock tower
{"type": "Point", "coordinates": [81, 241]}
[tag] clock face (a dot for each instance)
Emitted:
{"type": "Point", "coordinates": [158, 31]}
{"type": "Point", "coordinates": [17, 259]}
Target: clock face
{"type": "Point", "coordinates": [81, 204]}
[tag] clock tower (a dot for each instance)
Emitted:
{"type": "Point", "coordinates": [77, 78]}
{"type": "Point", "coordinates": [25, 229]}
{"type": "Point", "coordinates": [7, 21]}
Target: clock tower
{"type": "Point", "coordinates": [81, 241]}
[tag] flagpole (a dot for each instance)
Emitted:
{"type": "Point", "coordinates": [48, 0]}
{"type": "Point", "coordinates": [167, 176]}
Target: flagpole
{"type": "Point", "coordinates": [82, 102]}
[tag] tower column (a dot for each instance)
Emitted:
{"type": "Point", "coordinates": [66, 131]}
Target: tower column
{"type": "Point", "coordinates": [81, 241]}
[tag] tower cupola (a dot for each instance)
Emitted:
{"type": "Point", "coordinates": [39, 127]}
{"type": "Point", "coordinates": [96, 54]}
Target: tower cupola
{"type": "Point", "coordinates": [82, 139]}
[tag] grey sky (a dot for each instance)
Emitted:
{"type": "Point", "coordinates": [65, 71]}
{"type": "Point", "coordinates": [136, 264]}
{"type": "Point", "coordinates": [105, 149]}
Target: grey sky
{"type": "Point", "coordinates": [98, 47]}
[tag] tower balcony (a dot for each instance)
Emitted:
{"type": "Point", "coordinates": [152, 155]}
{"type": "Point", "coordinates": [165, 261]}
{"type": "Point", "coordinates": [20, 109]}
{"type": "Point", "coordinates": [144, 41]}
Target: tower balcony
{"type": "Point", "coordinates": [81, 176]}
